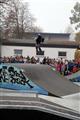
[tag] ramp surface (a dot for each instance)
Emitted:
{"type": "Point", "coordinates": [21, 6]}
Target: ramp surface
{"type": "Point", "coordinates": [50, 80]}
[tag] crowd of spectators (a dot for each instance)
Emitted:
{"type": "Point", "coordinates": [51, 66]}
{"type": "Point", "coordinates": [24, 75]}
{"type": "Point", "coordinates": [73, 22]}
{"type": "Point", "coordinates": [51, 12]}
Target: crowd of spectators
{"type": "Point", "coordinates": [18, 59]}
{"type": "Point", "coordinates": [63, 66]}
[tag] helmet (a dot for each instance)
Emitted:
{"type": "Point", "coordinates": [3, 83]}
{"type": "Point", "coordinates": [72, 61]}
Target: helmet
{"type": "Point", "coordinates": [39, 34]}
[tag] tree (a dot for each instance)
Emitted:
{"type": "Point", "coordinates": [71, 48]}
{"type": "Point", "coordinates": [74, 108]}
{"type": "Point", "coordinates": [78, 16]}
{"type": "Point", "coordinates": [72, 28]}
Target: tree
{"type": "Point", "coordinates": [4, 1]}
{"type": "Point", "coordinates": [4, 6]}
{"type": "Point", "coordinates": [77, 55]}
{"type": "Point", "coordinates": [17, 20]}
{"type": "Point", "coordinates": [77, 38]}
{"type": "Point", "coordinates": [77, 52]}
{"type": "Point", "coordinates": [75, 19]}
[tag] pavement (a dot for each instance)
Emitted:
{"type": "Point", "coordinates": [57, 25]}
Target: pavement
{"type": "Point", "coordinates": [71, 101]}
{"type": "Point", "coordinates": [12, 99]}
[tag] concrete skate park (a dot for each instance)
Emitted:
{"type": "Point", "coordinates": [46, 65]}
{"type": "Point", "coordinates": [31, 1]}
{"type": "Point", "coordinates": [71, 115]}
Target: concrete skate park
{"type": "Point", "coordinates": [60, 99]}
{"type": "Point", "coordinates": [38, 88]}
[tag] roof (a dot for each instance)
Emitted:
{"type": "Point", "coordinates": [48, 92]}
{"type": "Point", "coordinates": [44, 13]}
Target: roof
{"type": "Point", "coordinates": [50, 40]}
{"type": "Point", "coordinates": [48, 34]}
{"type": "Point", "coordinates": [31, 43]}
{"type": "Point", "coordinates": [30, 37]}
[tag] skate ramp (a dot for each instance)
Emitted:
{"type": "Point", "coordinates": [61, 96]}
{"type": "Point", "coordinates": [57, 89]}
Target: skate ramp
{"type": "Point", "coordinates": [50, 80]}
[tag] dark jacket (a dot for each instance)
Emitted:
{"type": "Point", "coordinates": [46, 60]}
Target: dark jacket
{"type": "Point", "coordinates": [38, 40]}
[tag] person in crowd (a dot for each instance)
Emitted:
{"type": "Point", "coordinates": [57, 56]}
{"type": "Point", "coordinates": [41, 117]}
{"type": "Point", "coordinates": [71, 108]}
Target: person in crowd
{"type": "Point", "coordinates": [65, 67]}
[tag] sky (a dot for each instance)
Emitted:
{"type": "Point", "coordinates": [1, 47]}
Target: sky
{"type": "Point", "coordinates": [52, 15]}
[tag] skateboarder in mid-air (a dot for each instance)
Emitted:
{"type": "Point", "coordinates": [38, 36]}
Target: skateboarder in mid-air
{"type": "Point", "coordinates": [39, 40]}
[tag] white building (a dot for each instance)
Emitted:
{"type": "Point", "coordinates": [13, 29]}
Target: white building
{"type": "Point", "coordinates": [55, 46]}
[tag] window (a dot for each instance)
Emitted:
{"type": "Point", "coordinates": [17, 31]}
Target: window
{"type": "Point", "coordinates": [61, 54]}
{"type": "Point", "coordinates": [17, 52]}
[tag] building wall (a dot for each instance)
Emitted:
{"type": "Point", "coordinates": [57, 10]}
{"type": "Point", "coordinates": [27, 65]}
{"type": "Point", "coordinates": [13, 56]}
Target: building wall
{"type": "Point", "coordinates": [31, 51]}
{"type": "Point", "coordinates": [53, 52]}
{"type": "Point", "coordinates": [9, 50]}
